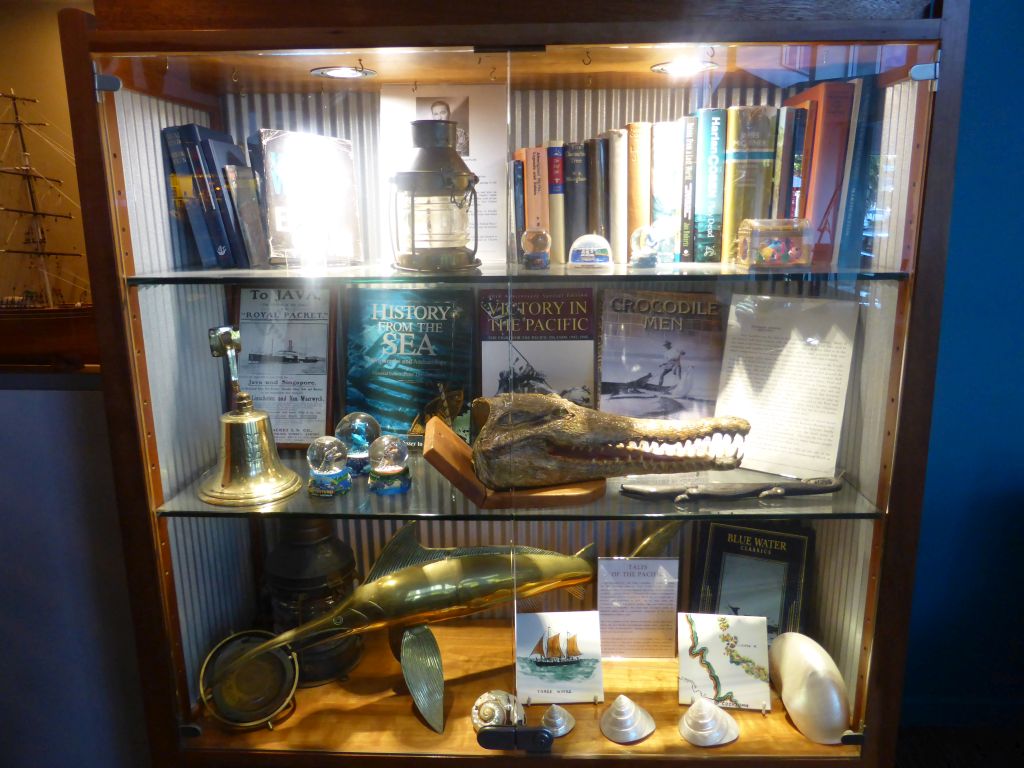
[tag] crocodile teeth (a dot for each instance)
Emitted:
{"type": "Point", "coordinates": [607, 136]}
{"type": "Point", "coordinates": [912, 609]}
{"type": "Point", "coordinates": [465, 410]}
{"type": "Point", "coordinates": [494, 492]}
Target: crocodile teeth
{"type": "Point", "coordinates": [633, 446]}
{"type": "Point", "coordinates": [689, 450]}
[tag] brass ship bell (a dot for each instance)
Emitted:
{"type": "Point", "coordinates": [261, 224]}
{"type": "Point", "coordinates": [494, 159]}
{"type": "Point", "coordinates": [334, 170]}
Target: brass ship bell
{"type": "Point", "coordinates": [249, 472]}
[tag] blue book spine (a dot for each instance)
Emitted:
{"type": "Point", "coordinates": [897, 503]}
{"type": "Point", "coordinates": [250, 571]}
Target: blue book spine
{"type": "Point", "coordinates": [710, 182]}
{"type": "Point", "coordinates": [519, 204]}
{"type": "Point", "coordinates": [192, 136]}
{"type": "Point", "coordinates": [184, 253]}
{"type": "Point", "coordinates": [575, 192]}
{"type": "Point", "coordinates": [218, 154]}
{"type": "Point", "coordinates": [597, 186]}
{"type": "Point", "coordinates": [686, 238]}
{"type": "Point", "coordinates": [186, 186]}
{"type": "Point", "coordinates": [853, 247]}
{"type": "Point", "coordinates": [799, 136]}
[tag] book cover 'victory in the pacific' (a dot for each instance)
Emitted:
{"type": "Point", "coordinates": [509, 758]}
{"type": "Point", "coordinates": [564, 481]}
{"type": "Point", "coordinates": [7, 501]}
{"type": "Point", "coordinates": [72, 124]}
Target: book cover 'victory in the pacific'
{"type": "Point", "coordinates": [541, 341]}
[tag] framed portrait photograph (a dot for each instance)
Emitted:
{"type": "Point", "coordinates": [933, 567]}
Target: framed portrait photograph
{"type": "Point", "coordinates": [288, 338]}
{"type": "Point", "coordinates": [754, 571]}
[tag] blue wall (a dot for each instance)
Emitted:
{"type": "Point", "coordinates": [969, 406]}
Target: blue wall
{"type": "Point", "coordinates": [69, 686]}
{"type": "Point", "coordinates": [967, 616]}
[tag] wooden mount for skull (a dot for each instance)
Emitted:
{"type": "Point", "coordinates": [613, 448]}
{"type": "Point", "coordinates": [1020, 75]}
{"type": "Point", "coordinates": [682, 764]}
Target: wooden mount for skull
{"type": "Point", "coordinates": [452, 457]}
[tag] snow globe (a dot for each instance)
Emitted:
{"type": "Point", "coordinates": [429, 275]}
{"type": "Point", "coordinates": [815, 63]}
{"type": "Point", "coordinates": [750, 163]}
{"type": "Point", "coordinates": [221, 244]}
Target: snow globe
{"type": "Point", "coordinates": [358, 431]}
{"type": "Point", "coordinates": [389, 466]}
{"type": "Point", "coordinates": [536, 245]}
{"type": "Point", "coordinates": [328, 467]}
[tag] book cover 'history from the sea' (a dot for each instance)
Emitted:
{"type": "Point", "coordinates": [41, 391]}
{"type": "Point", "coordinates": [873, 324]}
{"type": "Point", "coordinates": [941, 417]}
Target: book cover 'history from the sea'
{"type": "Point", "coordinates": [410, 357]}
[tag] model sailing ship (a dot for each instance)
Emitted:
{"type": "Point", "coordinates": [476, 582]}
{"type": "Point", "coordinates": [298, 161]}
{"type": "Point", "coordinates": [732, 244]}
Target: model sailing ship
{"type": "Point", "coordinates": [32, 273]}
{"type": "Point", "coordinates": [548, 650]}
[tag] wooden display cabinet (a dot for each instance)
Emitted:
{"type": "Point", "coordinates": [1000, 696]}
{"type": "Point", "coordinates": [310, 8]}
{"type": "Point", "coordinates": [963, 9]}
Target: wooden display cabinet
{"type": "Point", "coordinates": [564, 72]}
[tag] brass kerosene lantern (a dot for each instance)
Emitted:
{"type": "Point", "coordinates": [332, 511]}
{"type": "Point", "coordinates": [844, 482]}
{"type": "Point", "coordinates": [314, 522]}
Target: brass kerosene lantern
{"type": "Point", "coordinates": [249, 471]}
{"type": "Point", "coordinates": [432, 203]}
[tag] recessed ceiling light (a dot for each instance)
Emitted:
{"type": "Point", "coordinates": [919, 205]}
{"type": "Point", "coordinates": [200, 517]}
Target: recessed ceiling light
{"type": "Point", "coordinates": [343, 73]}
{"type": "Point", "coordinates": [683, 67]}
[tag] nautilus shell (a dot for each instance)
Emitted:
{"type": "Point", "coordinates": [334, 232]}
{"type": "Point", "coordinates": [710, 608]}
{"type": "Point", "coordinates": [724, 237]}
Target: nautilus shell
{"type": "Point", "coordinates": [706, 724]}
{"type": "Point", "coordinates": [497, 708]}
{"type": "Point", "coordinates": [558, 720]}
{"type": "Point", "coordinates": [624, 721]}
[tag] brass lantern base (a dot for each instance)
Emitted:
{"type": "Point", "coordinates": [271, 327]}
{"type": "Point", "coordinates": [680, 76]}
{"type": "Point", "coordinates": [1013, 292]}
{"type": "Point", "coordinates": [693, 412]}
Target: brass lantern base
{"type": "Point", "coordinates": [249, 472]}
{"type": "Point", "coordinates": [437, 260]}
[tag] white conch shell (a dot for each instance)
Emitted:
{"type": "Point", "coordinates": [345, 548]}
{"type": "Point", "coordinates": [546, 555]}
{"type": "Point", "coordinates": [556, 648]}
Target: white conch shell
{"type": "Point", "coordinates": [811, 687]}
{"type": "Point", "coordinates": [706, 724]}
{"type": "Point", "coordinates": [624, 722]}
{"type": "Point", "coordinates": [497, 708]}
{"type": "Point", "coordinates": [558, 720]}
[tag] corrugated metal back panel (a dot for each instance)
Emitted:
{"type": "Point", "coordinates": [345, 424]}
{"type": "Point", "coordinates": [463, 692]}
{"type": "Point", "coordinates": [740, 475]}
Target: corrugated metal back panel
{"type": "Point", "coordinates": [354, 116]}
{"type": "Point", "coordinates": [580, 114]}
{"type": "Point", "coordinates": [213, 573]}
{"type": "Point", "coordinates": [212, 570]}
{"type": "Point", "coordinates": [842, 554]}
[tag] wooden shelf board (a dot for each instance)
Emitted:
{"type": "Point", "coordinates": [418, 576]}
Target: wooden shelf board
{"type": "Point", "coordinates": [371, 713]}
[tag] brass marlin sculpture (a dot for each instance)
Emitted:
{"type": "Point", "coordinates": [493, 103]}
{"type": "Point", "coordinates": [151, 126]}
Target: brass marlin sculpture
{"type": "Point", "coordinates": [528, 441]}
{"type": "Point", "coordinates": [411, 586]}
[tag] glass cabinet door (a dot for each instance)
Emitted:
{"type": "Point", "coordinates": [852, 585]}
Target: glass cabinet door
{"type": "Point", "coordinates": [637, 311]}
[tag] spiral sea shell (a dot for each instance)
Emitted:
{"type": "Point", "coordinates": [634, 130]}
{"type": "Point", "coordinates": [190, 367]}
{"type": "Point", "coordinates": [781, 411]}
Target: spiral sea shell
{"type": "Point", "coordinates": [558, 720]}
{"type": "Point", "coordinates": [706, 724]}
{"type": "Point", "coordinates": [624, 721]}
{"type": "Point", "coordinates": [497, 708]}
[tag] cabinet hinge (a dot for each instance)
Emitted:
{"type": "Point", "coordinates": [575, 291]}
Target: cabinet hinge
{"type": "Point", "coordinates": [101, 82]}
{"type": "Point", "coordinates": [927, 71]}
{"type": "Point", "coordinates": [189, 730]}
{"type": "Point", "coordinates": [535, 740]}
{"type": "Point", "coordinates": [853, 738]}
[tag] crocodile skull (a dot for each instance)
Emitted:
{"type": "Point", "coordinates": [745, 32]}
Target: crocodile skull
{"type": "Point", "coordinates": [529, 441]}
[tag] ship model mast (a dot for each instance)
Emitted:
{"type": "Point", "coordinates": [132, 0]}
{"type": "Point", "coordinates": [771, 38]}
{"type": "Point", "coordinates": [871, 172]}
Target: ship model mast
{"type": "Point", "coordinates": [36, 185]}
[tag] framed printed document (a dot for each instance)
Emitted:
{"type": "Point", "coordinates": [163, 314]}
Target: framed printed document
{"type": "Point", "coordinates": [287, 358]}
{"type": "Point", "coordinates": [637, 601]}
{"type": "Point", "coordinates": [748, 571]}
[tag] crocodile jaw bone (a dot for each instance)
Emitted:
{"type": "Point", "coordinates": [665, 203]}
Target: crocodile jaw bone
{"type": "Point", "coordinates": [531, 441]}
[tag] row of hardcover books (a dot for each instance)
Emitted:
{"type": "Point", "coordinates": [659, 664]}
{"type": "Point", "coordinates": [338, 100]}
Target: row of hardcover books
{"type": "Point", "coordinates": [695, 179]}
{"type": "Point", "coordinates": [410, 352]}
{"type": "Point", "coordinates": [295, 199]}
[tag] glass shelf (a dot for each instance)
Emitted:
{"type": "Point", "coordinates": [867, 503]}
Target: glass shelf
{"type": "Point", "coordinates": [378, 273]}
{"type": "Point", "coordinates": [434, 498]}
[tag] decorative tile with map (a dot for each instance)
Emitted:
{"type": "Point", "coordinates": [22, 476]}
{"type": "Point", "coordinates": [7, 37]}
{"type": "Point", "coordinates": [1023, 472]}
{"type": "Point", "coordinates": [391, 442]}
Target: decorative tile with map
{"type": "Point", "coordinates": [725, 659]}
